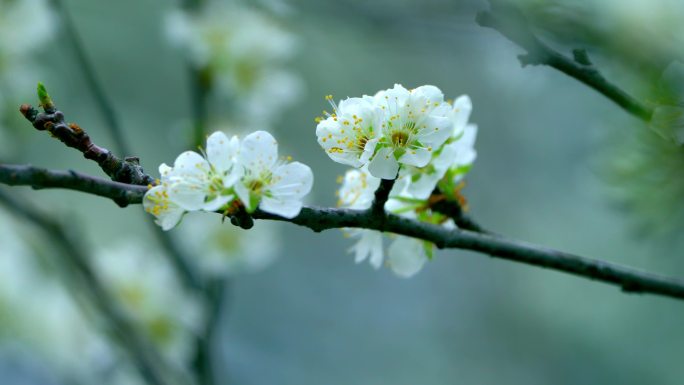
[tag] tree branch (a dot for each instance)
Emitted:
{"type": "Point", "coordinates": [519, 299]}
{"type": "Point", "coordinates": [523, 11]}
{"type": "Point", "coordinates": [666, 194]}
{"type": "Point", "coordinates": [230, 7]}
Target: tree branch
{"type": "Point", "coordinates": [319, 219]}
{"type": "Point", "coordinates": [511, 23]}
{"type": "Point", "coordinates": [52, 120]}
{"type": "Point", "coordinates": [39, 178]}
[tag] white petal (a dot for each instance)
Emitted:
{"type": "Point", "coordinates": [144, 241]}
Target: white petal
{"type": "Point", "coordinates": [368, 150]}
{"type": "Point", "coordinates": [393, 97]}
{"type": "Point", "coordinates": [190, 164]}
{"type": "Point", "coordinates": [461, 112]}
{"type": "Point", "coordinates": [384, 165]}
{"type": "Point", "coordinates": [164, 170]}
{"type": "Point", "coordinates": [291, 181]}
{"type": "Point", "coordinates": [188, 196]}
{"type": "Point", "coordinates": [435, 130]}
{"type": "Point", "coordinates": [170, 218]}
{"type": "Point", "coordinates": [244, 194]}
{"type": "Point", "coordinates": [431, 93]}
{"type": "Point", "coordinates": [258, 151]}
{"type": "Point", "coordinates": [286, 209]}
{"type": "Point", "coordinates": [167, 214]}
{"type": "Point", "coordinates": [426, 183]}
{"type": "Point", "coordinates": [333, 137]}
{"type": "Point", "coordinates": [419, 157]}
{"type": "Point", "coordinates": [221, 151]}
{"type": "Point", "coordinates": [217, 202]}
{"type": "Point", "coordinates": [406, 256]}
{"type": "Point", "coordinates": [368, 245]}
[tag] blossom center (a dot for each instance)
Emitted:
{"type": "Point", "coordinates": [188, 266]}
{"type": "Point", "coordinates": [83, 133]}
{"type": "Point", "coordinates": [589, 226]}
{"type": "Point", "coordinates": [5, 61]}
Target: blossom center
{"type": "Point", "coordinates": [400, 138]}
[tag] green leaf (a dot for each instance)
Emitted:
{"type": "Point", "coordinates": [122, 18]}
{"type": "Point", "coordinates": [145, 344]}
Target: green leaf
{"type": "Point", "coordinates": [44, 97]}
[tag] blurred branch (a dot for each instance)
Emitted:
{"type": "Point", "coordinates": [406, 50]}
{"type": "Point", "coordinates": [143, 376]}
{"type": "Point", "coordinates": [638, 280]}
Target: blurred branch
{"type": "Point", "coordinates": [88, 70]}
{"type": "Point", "coordinates": [148, 361]}
{"type": "Point", "coordinates": [319, 219]}
{"type": "Point", "coordinates": [511, 23]}
{"type": "Point", "coordinates": [204, 359]}
{"type": "Point", "coordinates": [200, 87]}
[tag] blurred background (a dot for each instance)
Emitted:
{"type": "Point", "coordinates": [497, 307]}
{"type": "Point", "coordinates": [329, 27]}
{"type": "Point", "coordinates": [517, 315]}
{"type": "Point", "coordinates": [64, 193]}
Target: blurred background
{"type": "Point", "coordinates": [558, 165]}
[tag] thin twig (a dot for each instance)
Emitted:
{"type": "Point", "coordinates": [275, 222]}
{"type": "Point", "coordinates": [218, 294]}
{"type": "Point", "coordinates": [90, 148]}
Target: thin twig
{"type": "Point", "coordinates": [319, 219]}
{"type": "Point", "coordinates": [204, 360]}
{"type": "Point", "coordinates": [511, 23]}
{"type": "Point", "coordinates": [149, 363]}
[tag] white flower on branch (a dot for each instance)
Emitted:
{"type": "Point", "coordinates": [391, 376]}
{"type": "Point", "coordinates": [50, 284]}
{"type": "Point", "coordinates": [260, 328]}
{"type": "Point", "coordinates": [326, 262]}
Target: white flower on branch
{"type": "Point", "coordinates": [350, 134]}
{"type": "Point", "coordinates": [417, 122]}
{"type": "Point", "coordinates": [248, 173]}
{"type": "Point", "coordinates": [406, 256]}
{"type": "Point", "coordinates": [457, 154]}
{"type": "Point", "coordinates": [395, 127]}
{"type": "Point", "coordinates": [196, 183]}
{"type": "Point", "coordinates": [157, 203]}
{"type": "Point", "coordinates": [272, 185]}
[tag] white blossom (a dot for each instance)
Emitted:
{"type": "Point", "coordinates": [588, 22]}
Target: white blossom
{"type": "Point", "coordinates": [406, 256]}
{"type": "Point", "coordinates": [356, 192]}
{"type": "Point", "coordinates": [416, 123]}
{"type": "Point", "coordinates": [457, 154]}
{"type": "Point", "coordinates": [350, 134]}
{"type": "Point", "coordinates": [156, 202]}
{"type": "Point", "coordinates": [267, 183]}
{"type": "Point", "coordinates": [195, 183]}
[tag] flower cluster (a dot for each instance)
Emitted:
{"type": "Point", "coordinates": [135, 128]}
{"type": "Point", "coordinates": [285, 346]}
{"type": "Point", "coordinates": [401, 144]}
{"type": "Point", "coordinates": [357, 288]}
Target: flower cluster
{"type": "Point", "coordinates": [232, 174]}
{"type": "Point", "coordinates": [413, 136]}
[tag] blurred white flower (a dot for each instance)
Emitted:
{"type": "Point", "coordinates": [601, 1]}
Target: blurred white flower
{"type": "Point", "coordinates": [222, 249]}
{"type": "Point", "coordinates": [25, 26]}
{"type": "Point", "coordinates": [406, 256]}
{"type": "Point", "coordinates": [267, 183]}
{"type": "Point", "coordinates": [149, 292]}
{"type": "Point", "coordinates": [38, 312]}
{"type": "Point", "coordinates": [244, 50]}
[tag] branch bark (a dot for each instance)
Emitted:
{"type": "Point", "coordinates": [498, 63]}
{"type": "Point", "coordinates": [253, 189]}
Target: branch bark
{"type": "Point", "coordinates": [319, 219]}
{"type": "Point", "coordinates": [511, 23]}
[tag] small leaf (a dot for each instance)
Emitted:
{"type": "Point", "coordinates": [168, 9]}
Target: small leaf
{"type": "Point", "coordinates": [44, 97]}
